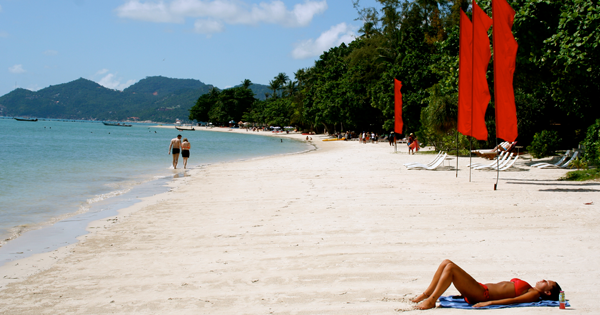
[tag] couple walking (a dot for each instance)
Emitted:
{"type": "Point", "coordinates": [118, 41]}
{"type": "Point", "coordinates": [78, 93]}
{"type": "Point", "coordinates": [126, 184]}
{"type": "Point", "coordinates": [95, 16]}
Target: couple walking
{"type": "Point", "coordinates": [176, 146]}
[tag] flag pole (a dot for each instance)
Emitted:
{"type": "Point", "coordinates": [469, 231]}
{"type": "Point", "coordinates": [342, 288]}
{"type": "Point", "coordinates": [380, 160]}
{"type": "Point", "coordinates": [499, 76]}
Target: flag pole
{"type": "Point", "coordinates": [470, 157]}
{"type": "Point", "coordinates": [457, 152]}
{"type": "Point", "coordinates": [472, 90]}
{"type": "Point", "coordinates": [495, 103]}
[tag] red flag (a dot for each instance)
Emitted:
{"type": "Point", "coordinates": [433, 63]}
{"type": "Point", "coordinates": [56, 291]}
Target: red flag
{"type": "Point", "coordinates": [465, 75]}
{"type": "Point", "coordinates": [398, 112]}
{"type": "Point", "coordinates": [505, 55]}
{"type": "Point", "coordinates": [481, 59]}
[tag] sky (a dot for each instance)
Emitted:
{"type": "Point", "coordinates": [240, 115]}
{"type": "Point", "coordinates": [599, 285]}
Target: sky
{"type": "Point", "coordinates": [119, 42]}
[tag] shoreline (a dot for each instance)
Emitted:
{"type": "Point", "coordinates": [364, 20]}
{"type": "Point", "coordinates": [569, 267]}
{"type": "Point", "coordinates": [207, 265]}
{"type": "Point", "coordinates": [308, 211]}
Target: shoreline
{"type": "Point", "coordinates": [342, 229]}
{"type": "Point", "coordinates": [59, 233]}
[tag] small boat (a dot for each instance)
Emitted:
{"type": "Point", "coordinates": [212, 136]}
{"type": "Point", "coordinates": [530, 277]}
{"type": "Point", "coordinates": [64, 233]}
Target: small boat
{"type": "Point", "coordinates": [185, 129]}
{"type": "Point", "coordinates": [116, 124]}
{"type": "Point", "coordinates": [25, 119]}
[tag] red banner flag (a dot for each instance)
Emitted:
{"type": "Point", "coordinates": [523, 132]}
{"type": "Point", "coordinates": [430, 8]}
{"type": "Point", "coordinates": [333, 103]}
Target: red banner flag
{"type": "Point", "coordinates": [398, 124]}
{"type": "Point", "coordinates": [465, 75]}
{"type": "Point", "coordinates": [505, 55]}
{"type": "Point", "coordinates": [481, 59]}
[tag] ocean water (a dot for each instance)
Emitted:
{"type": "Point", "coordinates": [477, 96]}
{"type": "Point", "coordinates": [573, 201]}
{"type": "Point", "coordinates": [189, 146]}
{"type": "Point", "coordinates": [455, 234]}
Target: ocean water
{"type": "Point", "coordinates": [54, 170]}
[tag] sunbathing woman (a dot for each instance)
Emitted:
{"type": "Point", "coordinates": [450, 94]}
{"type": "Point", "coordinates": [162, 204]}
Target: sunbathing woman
{"type": "Point", "coordinates": [501, 293]}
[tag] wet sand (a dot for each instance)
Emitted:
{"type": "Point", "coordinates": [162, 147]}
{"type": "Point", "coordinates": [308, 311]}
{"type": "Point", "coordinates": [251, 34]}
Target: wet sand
{"type": "Point", "coordinates": [344, 229]}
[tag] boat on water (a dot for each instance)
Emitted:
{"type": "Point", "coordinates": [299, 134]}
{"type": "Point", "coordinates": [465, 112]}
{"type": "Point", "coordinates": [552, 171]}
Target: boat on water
{"type": "Point", "coordinates": [185, 129]}
{"type": "Point", "coordinates": [26, 119]}
{"type": "Point", "coordinates": [115, 124]}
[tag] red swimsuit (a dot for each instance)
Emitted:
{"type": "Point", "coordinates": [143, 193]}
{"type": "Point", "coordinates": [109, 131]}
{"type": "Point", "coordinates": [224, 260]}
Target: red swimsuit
{"type": "Point", "coordinates": [521, 287]}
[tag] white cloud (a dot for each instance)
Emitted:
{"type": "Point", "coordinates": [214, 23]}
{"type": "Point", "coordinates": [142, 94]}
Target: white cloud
{"type": "Point", "coordinates": [3, 34]}
{"type": "Point", "coordinates": [208, 26]}
{"type": "Point", "coordinates": [0, 8]}
{"type": "Point", "coordinates": [16, 69]}
{"type": "Point", "coordinates": [50, 52]}
{"type": "Point", "coordinates": [112, 82]}
{"type": "Point", "coordinates": [336, 35]}
{"type": "Point", "coordinates": [151, 12]}
{"type": "Point", "coordinates": [213, 12]}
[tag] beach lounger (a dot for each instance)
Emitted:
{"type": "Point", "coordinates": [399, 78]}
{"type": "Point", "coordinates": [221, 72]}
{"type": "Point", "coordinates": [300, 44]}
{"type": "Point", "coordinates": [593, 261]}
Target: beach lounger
{"type": "Point", "coordinates": [575, 154]}
{"type": "Point", "coordinates": [428, 167]}
{"type": "Point", "coordinates": [489, 151]}
{"type": "Point", "coordinates": [498, 164]}
{"type": "Point", "coordinates": [502, 157]}
{"type": "Point", "coordinates": [430, 163]}
{"type": "Point", "coordinates": [510, 164]}
{"type": "Point", "coordinates": [561, 161]}
{"type": "Point", "coordinates": [490, 154]}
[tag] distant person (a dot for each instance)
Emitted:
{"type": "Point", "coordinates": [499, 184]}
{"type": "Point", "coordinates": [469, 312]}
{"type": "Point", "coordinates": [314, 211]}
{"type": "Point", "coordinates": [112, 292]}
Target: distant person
{"type": "Point", "coordinates": [174, 147]}
{"type": "Point", "coordinates": [185, 151]}
{"type": "Point", "coordinates": [392, 138]}
{"type": "Point", "coordinates": [413, 144]}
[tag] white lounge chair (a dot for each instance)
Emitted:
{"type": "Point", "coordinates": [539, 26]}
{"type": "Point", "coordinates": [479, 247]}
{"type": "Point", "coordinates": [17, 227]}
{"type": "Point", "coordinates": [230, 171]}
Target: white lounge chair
{"type": "Point", "coordinates": [498, 164]}
{"type": "Point", "coordinates": [506, 165]}
{"type": "Point", "coordinates": [428, 167]}
{"type": "Point", "coordinates": [502, 156]}
{"type": "Point", "coordinates": [575, 154]}
{"type": "Point", "coordinates": [561, 161]}
{"type": "Point", "coordinates": [510, 164]}
{"type": "Point", "coordinates": [430, 163]}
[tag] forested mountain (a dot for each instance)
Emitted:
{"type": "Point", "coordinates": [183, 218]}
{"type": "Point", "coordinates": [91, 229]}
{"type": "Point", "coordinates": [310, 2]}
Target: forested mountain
{"type": "Point", "coordinates": [157, 98]}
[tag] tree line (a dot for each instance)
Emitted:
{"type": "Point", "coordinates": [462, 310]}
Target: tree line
{"type": "Point", "coordinates": [350, 87]}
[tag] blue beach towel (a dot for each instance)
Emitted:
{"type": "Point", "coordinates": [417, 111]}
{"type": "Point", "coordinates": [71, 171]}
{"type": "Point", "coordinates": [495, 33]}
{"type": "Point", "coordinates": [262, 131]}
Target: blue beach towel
{"type": "Point", "coordinates": [459, 302]}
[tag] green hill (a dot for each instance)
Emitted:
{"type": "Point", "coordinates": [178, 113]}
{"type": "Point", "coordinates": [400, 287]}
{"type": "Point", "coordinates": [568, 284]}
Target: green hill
{"type": "Point", "coordinates": [157, 98]}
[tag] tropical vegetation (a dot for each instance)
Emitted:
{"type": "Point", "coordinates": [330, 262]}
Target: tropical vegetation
{"type": "Point", "coordinates": [350, 86]}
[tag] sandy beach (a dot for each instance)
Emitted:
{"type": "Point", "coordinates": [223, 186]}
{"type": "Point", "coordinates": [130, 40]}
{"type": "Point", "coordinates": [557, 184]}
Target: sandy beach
{"type": "Point", "coordinates": [343, 229]}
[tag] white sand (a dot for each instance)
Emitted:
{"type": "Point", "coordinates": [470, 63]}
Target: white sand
{"type": "Point", "coordinates": [345, 229]}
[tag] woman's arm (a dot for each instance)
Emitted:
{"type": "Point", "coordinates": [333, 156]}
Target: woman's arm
{"type": "Point", "coordinates": [530, 296]}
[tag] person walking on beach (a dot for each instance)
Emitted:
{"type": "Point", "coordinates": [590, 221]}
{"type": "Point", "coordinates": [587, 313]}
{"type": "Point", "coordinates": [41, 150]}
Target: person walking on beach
{"type": "Point", "coordinates": [185, 151]}
{"type": "Point", "coordinates": [413, 144]}
{"type": "Point", "coordinates": [174, 147]}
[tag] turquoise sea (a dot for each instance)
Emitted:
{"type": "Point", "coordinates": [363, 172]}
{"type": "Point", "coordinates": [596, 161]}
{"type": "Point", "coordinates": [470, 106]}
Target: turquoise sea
{"type": "Point", "coordinates": [54, 170]}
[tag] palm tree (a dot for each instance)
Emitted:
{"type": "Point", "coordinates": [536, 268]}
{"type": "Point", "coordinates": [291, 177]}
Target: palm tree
{"type": "Point", "coordinates": [291, 88]}
{"type": "Point", "coordinates": [246, 83]}
{"type": "Point", "coordinates": [275, 86]}
{"type": "Point", "coordinates": [282, 78]}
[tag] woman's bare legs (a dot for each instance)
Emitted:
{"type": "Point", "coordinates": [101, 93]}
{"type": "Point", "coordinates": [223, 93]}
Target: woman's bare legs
{"type": "Point", "coordinates": [185, 163]}
{"type": "Point", "coordinates": [434, 282]}
{"type": "Point", "coordinates": [449, 273]}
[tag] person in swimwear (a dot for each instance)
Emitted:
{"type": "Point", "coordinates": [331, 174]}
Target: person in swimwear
{"type": "Point", "coordinates": [175, 146]}
{"type": "Point", "coordinates": [479, 294]}
{"type": "Point", "coordinates": [185, 151]}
